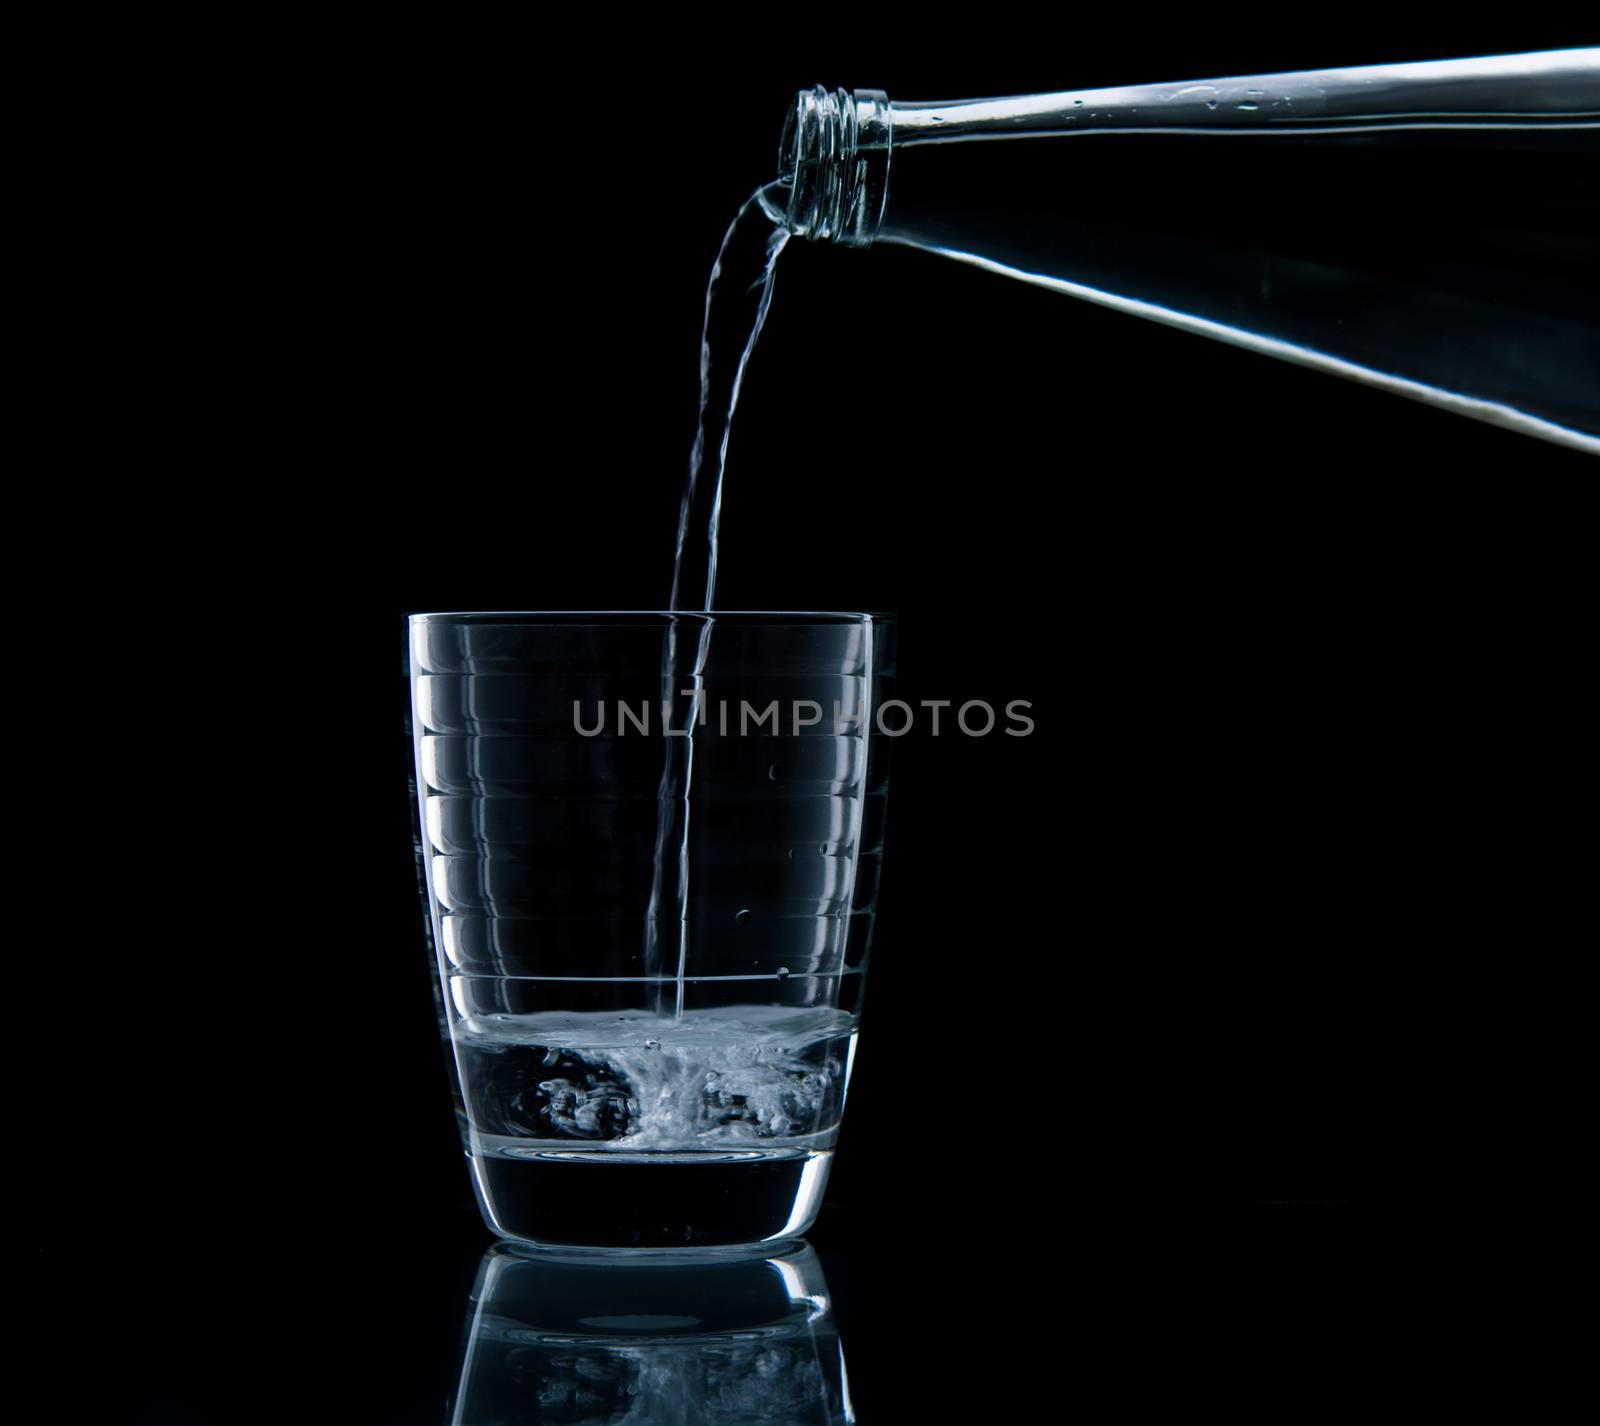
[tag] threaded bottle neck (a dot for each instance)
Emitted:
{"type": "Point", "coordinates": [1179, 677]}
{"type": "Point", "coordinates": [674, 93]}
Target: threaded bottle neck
{"type": "Point", "coordinates": [835, 156]}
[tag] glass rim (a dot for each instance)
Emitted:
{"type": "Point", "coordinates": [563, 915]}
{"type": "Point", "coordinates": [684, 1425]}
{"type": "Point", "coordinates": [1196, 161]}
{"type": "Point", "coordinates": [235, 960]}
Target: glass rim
{"type": "Point", "coordinates": [619, 617]}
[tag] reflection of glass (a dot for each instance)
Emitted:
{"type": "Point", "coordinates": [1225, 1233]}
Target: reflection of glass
{"type": "Point", "coordinates": [680, 1340]}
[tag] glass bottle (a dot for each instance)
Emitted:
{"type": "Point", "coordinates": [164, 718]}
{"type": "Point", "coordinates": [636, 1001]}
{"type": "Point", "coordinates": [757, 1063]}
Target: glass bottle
{"type": "Point", "coordinates": [1432, 229]}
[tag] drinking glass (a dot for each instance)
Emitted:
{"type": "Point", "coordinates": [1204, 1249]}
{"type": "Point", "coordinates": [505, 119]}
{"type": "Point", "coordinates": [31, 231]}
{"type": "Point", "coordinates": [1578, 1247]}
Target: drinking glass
{"type": "Point", "coordinates": [651, 845]}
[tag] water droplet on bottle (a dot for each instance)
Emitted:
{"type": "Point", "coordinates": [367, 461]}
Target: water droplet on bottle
{"type": "Point", "coordinates": [823, 849]}
{"type": "Point", "coordinates": [772, 772]}
{"type": "Point", "coordinates": [1078, 103]}
{"type": "Point", "coordinates": [1211, 103]}
{"type": "Point", "coordinates": [652, 1044]}
{"type": "Point", "coordinates": [743, 915]}
{"type": "Point", "coordinates": [783, 972]}
{"type": "Point", "coordinates": [791, 853]}
{"type": "Point", "coordinates": [1249, 106]}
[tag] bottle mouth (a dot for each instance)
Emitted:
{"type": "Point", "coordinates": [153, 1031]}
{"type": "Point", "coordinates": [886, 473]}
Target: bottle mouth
{"type": "Point", "coordinates": [834, 155]}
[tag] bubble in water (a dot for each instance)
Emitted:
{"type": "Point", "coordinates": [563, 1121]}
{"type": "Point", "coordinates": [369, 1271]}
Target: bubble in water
{"type": "Point", "coordinates": [783, 972]}
{"type": "Point", "coordinates": [791, 853]}
{"type": "Point", "coordinates": [747, 1074]}
{"type": "Point", "coordinates": [772, 772]}
{"type": "Point", "coordinates": [742, 915]}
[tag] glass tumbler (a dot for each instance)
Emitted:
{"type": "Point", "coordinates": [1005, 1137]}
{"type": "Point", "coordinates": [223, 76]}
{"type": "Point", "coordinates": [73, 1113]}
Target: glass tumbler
{"type": "Point", "coordinates": [651, 845]}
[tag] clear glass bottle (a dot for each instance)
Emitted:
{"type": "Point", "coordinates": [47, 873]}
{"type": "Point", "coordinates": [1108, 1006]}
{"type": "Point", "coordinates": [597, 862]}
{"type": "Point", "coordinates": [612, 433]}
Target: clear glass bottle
{"type": "Point", "coordinates": [1432, 229]}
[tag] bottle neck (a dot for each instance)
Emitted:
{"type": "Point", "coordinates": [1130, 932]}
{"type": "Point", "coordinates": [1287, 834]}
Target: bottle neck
{"type": "Point", "coordinates": [1551, 88]}
{"type": "Point", "coordinates": [835, 157]}
{"type": "Point", "coordinates": [835, 151]}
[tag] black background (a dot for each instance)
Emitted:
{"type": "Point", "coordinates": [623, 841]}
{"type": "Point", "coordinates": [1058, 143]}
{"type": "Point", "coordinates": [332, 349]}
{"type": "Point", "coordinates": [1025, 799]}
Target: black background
{"type": "Point", "coordinates": [445, 358]}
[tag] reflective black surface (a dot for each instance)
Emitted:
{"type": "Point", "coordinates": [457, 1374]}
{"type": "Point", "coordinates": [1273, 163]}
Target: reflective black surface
{"type": "Point", "coordinates": [1298, 653]}
{"type": "Point", "coordinates": [438, 1325]}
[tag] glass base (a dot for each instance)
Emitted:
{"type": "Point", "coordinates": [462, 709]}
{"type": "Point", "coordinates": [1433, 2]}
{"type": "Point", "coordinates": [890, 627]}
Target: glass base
{"type": "Point", "coordinates": [608, 1201]}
